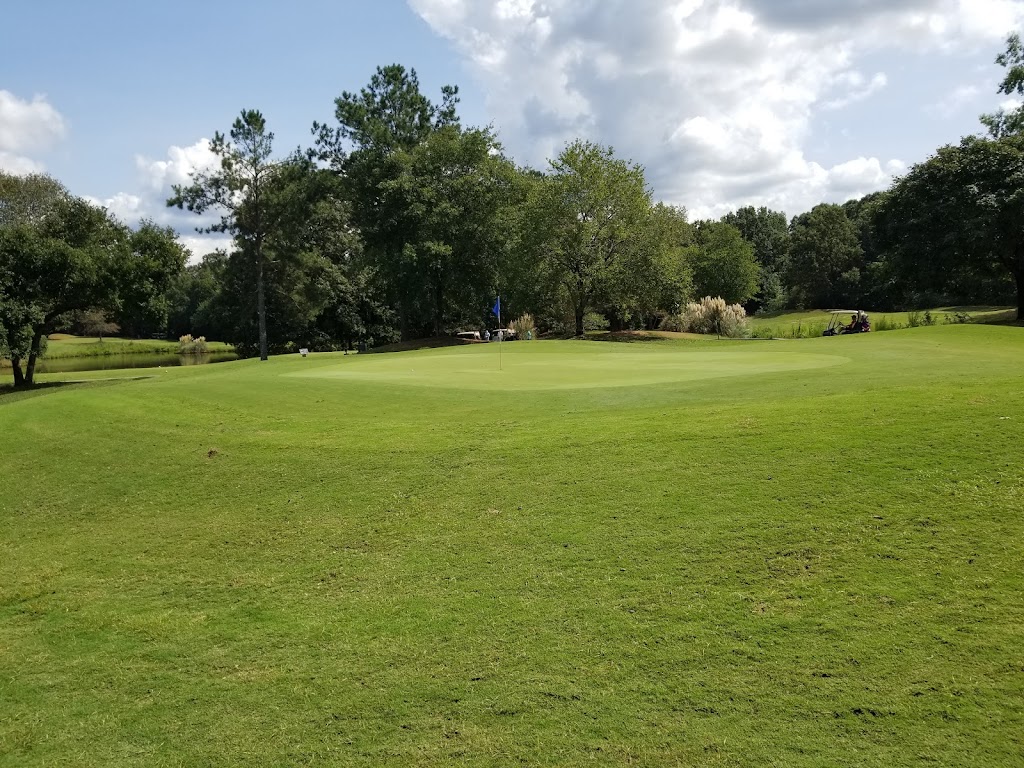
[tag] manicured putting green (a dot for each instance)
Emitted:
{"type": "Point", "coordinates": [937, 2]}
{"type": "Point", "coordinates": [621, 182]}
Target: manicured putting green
{"type": "Point", "coordinates": [574, 365]}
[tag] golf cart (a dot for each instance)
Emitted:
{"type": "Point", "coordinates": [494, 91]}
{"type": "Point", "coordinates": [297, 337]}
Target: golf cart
{"type": "Point", "coordinates": [859, 322]}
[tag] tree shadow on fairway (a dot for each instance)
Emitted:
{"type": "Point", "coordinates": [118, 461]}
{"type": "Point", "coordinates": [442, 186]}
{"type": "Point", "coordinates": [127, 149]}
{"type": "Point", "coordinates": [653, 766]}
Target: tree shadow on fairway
{"type": "Point", "coordinates": [434, 342]}
{"type": "Point", "coordinates": [634, 337]}
{"type": "Point", "coordinates": [11, 394]}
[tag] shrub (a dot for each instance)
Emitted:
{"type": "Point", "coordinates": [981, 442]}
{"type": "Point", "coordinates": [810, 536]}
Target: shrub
{"type": "Point", "coordinates": [713, 315]}
{"type": "Point", "coordinates": [674, 323]}
{"type": "Point", "coordinates": [523, 325]}
{"type": "Point", "coordinates": [592, 321]}
{"type": "Point", "coordinates": [192, 346]}
{"type": "Point", "coordinates": [914, 319]}
{"type": "Point", "coordinates": [958, 318]}
{"type": "Point", "coordinates": [886, 324]}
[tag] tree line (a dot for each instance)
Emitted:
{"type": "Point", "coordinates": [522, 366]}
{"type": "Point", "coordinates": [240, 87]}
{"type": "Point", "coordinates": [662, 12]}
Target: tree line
{"type": "Point", "coordinates": [400, 222]}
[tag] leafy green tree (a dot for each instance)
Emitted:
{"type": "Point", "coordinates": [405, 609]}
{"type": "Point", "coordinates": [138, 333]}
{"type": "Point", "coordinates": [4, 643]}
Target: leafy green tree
{"type": "Point", "coordinates": [235, 190]}
{"type": "Point", "coordinates": [654, 277]}
{"type": "Point", "coordinates": [448, 199]}
{"type": "Point", "coordinates": [25, 201]}
{"type": "Point", "coordinates": [723, 263]}
{"type": "Point", "coordinates": [1008, 122]}
{"type": "Point", "coordinates": [72, 258]}
{"type": "Point", "coordinates": [878, 285]}
{"type": "Point", "coordinates": [192, 296]}
{"type": "Point", "coordinates": [157, 258]}
{"type": "Point", "coordinates": [94, 322]}
{"type": "Point", "coordinates": [825, 257]}
{"type": "Point", "coordinates": [386, 124]}
{"type": "Point", "coordinates": [588, 214]}
{"type": "Point", "coordinates": [768, 232]}
{"type": "Point", "coordinates": [956, 218]}
{"type": "Point", "coordinates": [29, 199]}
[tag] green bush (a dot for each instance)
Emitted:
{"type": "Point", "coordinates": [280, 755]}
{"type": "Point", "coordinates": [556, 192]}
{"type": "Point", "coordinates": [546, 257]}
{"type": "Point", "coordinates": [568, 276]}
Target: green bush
{"type": "Point", "coordinates": [958, 318]}
{"type": "Point", "coordinates": [673, 323]}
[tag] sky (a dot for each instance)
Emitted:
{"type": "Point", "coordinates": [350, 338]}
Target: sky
{"type": "Point", "coordinates": [784, 103]}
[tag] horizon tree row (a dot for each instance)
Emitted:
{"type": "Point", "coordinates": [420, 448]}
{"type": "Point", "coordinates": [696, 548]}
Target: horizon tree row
{"type": "Point", "coordinates": [399, 222]}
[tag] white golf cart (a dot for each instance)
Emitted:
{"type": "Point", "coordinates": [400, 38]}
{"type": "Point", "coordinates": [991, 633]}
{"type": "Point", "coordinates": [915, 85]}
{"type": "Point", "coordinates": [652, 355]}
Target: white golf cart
{"type": "Point", "coordinates": [859, 322]}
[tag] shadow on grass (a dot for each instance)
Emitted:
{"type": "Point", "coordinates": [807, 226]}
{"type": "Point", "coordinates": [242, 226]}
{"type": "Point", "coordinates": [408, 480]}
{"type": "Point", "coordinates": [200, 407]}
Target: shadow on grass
{"type": "Point", "coordinates": [11, 394]}
{"type": "Point", "coordinates": [626, 337]}
{"type": "Point", "coordinates": [434, 342]}
{"type": "Point", "coordinates": [1008, 317]}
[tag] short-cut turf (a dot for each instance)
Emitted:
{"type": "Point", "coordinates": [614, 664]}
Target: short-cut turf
{"type": "Point", "coordinates": [669, 553]}
{"type": "Point", "coordinates": [528, 366]}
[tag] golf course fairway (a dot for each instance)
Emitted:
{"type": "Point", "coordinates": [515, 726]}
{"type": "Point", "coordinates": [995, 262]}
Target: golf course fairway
{"type": "Point", "coordinates": [549, 366]}
{"type": "Point", "coordinates": [663, 553]}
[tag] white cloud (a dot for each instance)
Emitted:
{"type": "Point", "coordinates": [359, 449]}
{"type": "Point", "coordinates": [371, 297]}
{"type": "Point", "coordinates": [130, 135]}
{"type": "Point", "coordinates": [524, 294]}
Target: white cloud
{"type": "Point", "coordinates": [128, 208]}
{"type": "Point", "coordinates": [201, 245]}
{"type": "Point", "coordinates": [27, 128]}
{"type": "Point", "coordinates": [715, 97]}
{"type": "Point", "coordinates": [958, 99]}
{"type": "Point", "coordinates": [856, 88]}
{"type": "Point", "coordinates": [181, 163]}
{"type": "Point", "coordinates": [156, 181]}
{"type": "Point", "coordinates": [19, 165]}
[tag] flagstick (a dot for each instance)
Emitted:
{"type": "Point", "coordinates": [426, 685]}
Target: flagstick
{"type": "Point", "coordinates": [500, 334]}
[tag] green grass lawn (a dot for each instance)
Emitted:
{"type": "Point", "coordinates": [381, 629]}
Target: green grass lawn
{"type": "Point", "coordinates": [794, 553]}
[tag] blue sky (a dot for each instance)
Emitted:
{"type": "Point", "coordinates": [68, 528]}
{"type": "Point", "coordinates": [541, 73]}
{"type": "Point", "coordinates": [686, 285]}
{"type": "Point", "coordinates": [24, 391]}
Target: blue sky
{"type": "Point", "coordinates": [726, 102]}
{"type": "Point", "coordinates": [136, 78]}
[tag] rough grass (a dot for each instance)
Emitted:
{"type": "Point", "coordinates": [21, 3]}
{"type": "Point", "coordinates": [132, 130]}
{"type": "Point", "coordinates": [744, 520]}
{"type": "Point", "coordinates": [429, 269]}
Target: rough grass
{"type": "Point", "coordinates": [811, 323]}
{"type": "Point", "coordinates": [309, 561]}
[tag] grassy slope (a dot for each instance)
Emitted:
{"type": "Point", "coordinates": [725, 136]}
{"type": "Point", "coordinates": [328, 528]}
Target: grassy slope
{"type": "Point", "coordinates": [805, 567]}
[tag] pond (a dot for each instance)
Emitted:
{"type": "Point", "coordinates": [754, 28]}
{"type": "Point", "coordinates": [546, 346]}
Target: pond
{"type": "Point", "coordinates": [111, 362]}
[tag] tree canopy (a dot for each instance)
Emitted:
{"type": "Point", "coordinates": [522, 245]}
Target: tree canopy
{"type": "Point", "coordinates": [60, 255]}
{"type": "Point", "coordinates": [957, 216]}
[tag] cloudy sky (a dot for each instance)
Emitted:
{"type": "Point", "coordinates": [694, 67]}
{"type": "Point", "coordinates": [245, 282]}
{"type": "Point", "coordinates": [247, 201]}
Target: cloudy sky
{"type": "Point", "coordinates": [785, 103]}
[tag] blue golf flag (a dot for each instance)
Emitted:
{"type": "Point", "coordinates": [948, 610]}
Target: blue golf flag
{"type": "Point", "coordinates": [496, 309]}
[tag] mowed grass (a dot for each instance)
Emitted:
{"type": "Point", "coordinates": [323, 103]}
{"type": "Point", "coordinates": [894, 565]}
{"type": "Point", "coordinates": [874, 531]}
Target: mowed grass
{"type": "Point", "coordinates": [335, 561]}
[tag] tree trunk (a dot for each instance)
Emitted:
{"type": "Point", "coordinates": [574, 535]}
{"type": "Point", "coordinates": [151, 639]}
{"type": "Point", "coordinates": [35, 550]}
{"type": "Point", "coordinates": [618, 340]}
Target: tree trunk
{"type": "Point", "coordinates": [33, 355]}
{"type": "Point", "coordinates": [579, 319]}
{"type": "Point", "coordinates": [438, 307]}
{"type": "Point", "coordinates": [19, 377]}
{"type": "Point", "coordinates": [261, 302]}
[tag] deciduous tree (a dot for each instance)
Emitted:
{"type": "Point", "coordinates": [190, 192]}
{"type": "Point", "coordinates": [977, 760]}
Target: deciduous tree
{"type": "Point", "coordinates": [958, 216]}
{"type": "Point", "coordinates": [73, 257]}
{"type": "Point", "coordinates": [824, 257]}
{"type": "Point", "coordinates": [723, 263]}
{"type": "Point", "coordinates": [768, 232]}
{"type": "Point", "coordinates": [588, 214]}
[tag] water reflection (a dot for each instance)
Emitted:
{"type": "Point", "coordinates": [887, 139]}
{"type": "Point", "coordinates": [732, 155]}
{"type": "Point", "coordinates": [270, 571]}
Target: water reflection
{"type": "Point", "coordinates": [111, 362]}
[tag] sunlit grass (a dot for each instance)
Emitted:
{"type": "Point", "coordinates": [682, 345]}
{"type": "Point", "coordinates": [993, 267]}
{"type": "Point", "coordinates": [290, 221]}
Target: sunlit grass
{"type": "Point", "coordinates": [332, 561]}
